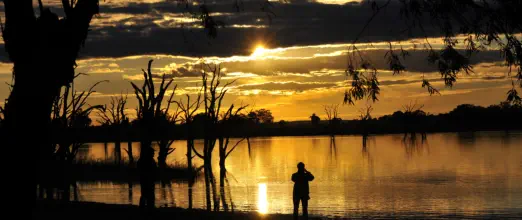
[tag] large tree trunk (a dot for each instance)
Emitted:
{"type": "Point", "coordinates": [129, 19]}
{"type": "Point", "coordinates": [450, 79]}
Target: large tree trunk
{"type": "Point", "coordinates": [43, 52]}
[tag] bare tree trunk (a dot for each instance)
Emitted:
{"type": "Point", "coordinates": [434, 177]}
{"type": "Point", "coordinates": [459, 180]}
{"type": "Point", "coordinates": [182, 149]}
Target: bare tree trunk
{"type": "Point", "coordinates": [190, 144]}
{"type": "Point", "coordinates": [207, 170]}
{"type": "Point", "coordinates": [106, 150]}
{"type": "Point", "coordinates": [129, 152]}
{"type": "Point", "coordinates": [130, 193]}
{"type": "Point", "coordinates": [190, 185]}
{"type": "Point", "coordinates": [76, 192]}
{"type": "Point", "coordinates": [117, 151]}
{"type": "Point", "coordinates": [222, 172]}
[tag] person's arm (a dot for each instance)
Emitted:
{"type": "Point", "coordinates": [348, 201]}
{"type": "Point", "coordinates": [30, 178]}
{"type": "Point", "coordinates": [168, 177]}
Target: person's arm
{"type": "Point", "coordinates": [309, 175]}
{"type": "Point", "coordinates": [293, 177]}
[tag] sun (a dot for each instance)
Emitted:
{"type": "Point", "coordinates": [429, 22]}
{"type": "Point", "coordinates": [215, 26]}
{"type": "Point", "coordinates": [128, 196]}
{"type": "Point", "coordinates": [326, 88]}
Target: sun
{"type": "Point", "coordinates": [259, 51]}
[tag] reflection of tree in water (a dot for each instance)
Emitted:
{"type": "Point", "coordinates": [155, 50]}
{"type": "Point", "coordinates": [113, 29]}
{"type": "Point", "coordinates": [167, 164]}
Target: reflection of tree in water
{"type": "Point", "coordinates": [167, 192]}
{"type": "Point", "coordinates": [315, 142]}
{"type": "Point", "coordinates": [414, 146]}
{"type": "Point", "coordinates": [191, 181]}
{"type": "Point", "coordinates": [466, 140]}
{"type": "Point", "coordinates": [333, 149]}
{"type": "Point", "coordinates": [506, 138]}
{"type": "Point", "coordinates": [225, 191]}
{"type": "Point", "coordinates": [366, 151]}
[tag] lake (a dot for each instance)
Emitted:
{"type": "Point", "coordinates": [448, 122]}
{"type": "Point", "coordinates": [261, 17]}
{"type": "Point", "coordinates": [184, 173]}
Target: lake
{"type": "Point", "coordinates": [449, 173]}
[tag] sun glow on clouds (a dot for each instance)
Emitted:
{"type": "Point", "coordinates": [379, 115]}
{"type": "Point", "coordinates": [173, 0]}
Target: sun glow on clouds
{"type": "Point", "coordinates": [337, 2]}
{"type": "Point", "coordinates": [303, 77]}
{"type": "Point", "coordinates": [259, 51]}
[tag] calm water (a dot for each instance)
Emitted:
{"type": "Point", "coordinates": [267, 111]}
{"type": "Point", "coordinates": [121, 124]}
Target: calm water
{"type": "Point", "coordinates": [449, 173]}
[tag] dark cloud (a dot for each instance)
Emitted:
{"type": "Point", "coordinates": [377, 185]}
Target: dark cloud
{"type": "Point", "coordinates": [185, 70]}
{"type": "Point", "coordinates": [288, 86]}
{"type": "Point", "coordinates": [301, 23]}
{"type": "Point", "coordinates": [403, 82]}
{"type": "Point", "coordinates": [415, 63]}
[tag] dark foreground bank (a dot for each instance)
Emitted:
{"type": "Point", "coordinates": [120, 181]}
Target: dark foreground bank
{"type": "Point", "coordinates": [99, 211]}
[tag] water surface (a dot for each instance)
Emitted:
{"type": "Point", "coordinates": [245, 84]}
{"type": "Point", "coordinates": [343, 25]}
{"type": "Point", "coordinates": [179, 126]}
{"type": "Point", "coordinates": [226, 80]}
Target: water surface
{"type": "Point", "coordinates": [449, 173]}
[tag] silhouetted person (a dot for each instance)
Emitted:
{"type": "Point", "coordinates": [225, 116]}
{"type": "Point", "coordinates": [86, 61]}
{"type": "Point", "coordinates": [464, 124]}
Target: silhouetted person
{"type": "Point", "coordinates": [301, 189]}
{"type": "Point", "coordinates": [147, 167]}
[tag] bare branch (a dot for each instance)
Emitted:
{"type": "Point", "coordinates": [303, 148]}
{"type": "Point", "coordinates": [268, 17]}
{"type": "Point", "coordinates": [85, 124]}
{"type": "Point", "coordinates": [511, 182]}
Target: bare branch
{"type": "Point", "coordinates": [233, 148]}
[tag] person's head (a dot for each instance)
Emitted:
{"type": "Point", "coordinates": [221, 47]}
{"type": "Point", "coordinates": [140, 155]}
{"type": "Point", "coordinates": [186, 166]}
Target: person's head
{"type": "Point", "coordinates": [300, 167]}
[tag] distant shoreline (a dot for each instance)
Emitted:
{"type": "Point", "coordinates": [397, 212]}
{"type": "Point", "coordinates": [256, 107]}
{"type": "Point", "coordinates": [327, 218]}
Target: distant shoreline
{"type": "Point", "coordinates": [464, 118]}
{"type": "Point", "coordinates": [308, 134]}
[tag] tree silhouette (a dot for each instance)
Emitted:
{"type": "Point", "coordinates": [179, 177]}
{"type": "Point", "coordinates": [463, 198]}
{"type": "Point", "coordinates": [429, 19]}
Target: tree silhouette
{"type": "Point", "coordinates": [43, 50]}
{"type": "Point", "coordinates": [315, 119]}
{"type": "Point", "coordinates": [261, 116]}
{"type": "Point", "coordinates": [188, 110]}
{"type": "Point", "coordinates": [413, 117]}
{"type": "Point", "coordinates": [230, 120]}
{"type": "Point", "coordinates": [213, 94]}
{"type": "Point", "coordinates": [365, 116]}
{"type": "Point", "coordinates": [332, 111]}
{"type": "Point", "coordinates": [114, 117]}
{"type": "Point", "coordinates": [485, 25]}
{"type": "Point", "coordinates": [149, 112]}
{"type": "Point", "coordinates": [70, 116]}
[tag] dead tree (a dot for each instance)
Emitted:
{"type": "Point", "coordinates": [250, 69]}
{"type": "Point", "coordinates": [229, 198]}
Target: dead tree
{"type": "Point", "coordinates": [230, 120]}
{"type": "Point", "coordinates": [70, 114]}
{"type": "Point", "coordinates": [149, 108]}
{"type": "Point", "coordinates": [412, 120]}
{"type": "Point", "coordinates": [114, 118]}
{"type": "Point", "coordinates": [365, 116]}
{"type": "Point", "coordinates": [164, 122]}
{"type": "Point", "coordinates": [332, 111]}
{"type": "Point", "coordinates": [188, 111]}
{"type": "Point", "coordinates": [213, 95]}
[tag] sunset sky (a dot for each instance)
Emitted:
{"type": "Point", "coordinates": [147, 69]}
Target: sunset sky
{"type": "Point", "coordinates": [293, 65]}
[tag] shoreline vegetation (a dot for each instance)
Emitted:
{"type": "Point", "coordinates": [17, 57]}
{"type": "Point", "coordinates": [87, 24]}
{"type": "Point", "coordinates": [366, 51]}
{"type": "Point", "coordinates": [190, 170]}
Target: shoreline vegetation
{"type": "Point", "coordinates": [49, 209]}
{"type": "Point", "coordinates": [464, 118]}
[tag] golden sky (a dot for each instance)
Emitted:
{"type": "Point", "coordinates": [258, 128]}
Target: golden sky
{"type": "Point", "coordinates": [293, 72]}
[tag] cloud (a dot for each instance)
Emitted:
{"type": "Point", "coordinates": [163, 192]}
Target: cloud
{"type": "Point", "coordinates": [6, 68]}
{"type": "Point", "coordinates": [155, 27]}
{"type": "Point", "coordinates": [286, 86]}
{"type": "Point", "coordinates": [138, 77]}
{"type": "Point", "coordinates": [493, 77]}
{"type": "Point", "coordinates": [184, 70]}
